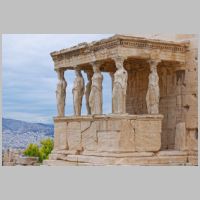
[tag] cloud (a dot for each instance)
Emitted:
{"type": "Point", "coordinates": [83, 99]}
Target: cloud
{"type": "Point", "coordinates": [29, 79]}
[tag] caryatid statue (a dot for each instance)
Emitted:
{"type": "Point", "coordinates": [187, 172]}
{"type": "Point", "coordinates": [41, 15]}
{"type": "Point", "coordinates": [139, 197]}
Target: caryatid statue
{"type": "Point", "coordinates": [88, 90]}
{"type": "Point", "coordinates": [61, 93]}
{"type": "Point", "coordinates": [78, 92]}
{"type": "Point", "coordinates": [153, 93]}
{"type": "Point", "coordinates": [119, 87]}
{"type": "Point", "coordinates": [95, 98]}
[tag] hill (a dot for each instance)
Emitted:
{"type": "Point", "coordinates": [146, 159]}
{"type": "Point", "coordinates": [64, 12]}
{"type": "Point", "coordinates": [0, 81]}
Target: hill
{"type": "Point", "coordinates": [18, 134]}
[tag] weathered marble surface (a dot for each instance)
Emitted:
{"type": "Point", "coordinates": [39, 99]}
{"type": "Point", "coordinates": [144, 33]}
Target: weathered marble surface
{"type": "Point", "coordinates": [109, 133]}
{"type": "Point", "coordinates": [174, 94]}
{"type": "Point", "coordinates": [126, 46]}
{"type": "Point", "coordinates": [78, 92]}
{"type": "Point", "coordinates": [88, 90]}
{"type": "Point", "coordinates": [161, 158]}
{"type": "Point", "coordinates": [153, 92]}
{"type": "Point", "coordinates": [95, 98]}
{"type": "Point", "coordinates": [119, 87]}
{"type": "Point", "coordinates": [61, 93]}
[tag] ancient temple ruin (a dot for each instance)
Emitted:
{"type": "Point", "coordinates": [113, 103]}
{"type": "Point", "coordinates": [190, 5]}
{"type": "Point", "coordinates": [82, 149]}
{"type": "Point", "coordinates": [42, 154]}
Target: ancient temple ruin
{"type": "Point", "coordinates": [154, 103]}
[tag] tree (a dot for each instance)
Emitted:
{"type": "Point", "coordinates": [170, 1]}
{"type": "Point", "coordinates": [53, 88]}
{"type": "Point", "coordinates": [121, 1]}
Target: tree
{"type": "Point", "coordinates": [32, 150]}
{"type": "Point", "coordinates": [42, 152]}
{"type": "Point", "coordinates": [46, 148]}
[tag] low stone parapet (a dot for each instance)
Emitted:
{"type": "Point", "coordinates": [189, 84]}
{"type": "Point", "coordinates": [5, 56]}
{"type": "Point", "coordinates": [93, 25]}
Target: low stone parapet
{"type": "Point", "coordinates": [108, 133]}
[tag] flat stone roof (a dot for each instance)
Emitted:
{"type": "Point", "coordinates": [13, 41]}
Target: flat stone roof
{"type": "Point", "coordinates": [179, 45]}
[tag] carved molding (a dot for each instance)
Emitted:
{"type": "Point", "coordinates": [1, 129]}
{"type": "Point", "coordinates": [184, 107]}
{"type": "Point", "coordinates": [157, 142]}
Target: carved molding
{"type": "Point", "coordinates": [118, 42]}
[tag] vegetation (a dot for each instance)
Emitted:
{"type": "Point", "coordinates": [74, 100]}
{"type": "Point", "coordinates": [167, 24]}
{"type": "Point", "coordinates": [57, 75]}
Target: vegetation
{"type": "Point", "coordinates": [42, 151]}
{"type": "Point", "coordinates": [32, 150]}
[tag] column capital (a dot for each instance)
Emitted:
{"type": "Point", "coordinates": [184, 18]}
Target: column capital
{"type": "Point", "coordinates": [119, 59]}
{"type": "Point", "coordinates": [96, 63]}
{"type": "Point", "coordinates": [153, 62]}
{"type": "Point", "coordinates": [96, 66]}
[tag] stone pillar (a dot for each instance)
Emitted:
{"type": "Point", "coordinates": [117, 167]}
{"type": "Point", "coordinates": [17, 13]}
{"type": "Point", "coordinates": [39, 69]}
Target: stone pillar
{"type": "Point", "coordinates": [112, 79]}
{"type": "Point", "coordinates": [78, 92]}
{"type": "Point", "coordinates": [61, 93]}
{"type": "Point", "coordinates": [88, 90]}
{"type": "Point", "coordinates": [153, 92]}
{"type": "Point", "coordinates": [119, 87]}
{"type": "Point", "coordinates": [95, 98]}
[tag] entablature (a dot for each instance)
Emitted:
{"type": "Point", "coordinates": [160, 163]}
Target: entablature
{"type": "Point", "coordinates": [118, 45]}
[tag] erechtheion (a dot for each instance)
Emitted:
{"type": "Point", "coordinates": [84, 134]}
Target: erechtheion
{"type": "Point", "coordinates": [154, 102]}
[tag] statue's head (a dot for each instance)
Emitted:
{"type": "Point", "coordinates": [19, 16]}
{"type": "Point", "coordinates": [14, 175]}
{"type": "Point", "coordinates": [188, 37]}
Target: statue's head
{"type": "Point", "coordinates": [119, 65]}
{"type": "Point", "coordinates": [119, 61]}
{"type": "Point", "coordinates": [96, 69]}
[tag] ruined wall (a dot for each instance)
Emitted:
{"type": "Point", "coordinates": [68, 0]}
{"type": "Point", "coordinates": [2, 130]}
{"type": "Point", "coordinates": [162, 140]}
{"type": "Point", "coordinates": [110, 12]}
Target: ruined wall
{"type": "Point", "coordinates": [190, 94]}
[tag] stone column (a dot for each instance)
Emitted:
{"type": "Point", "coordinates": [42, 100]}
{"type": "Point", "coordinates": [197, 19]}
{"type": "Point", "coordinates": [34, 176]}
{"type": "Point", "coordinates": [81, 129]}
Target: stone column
{"type": "Point", "coordinates": [88, 90]}
{"type": "Point", "coordinates": [119, 87]}
{"type": "Point", "coordinates": [78, 92]}
{"type": "Point", "coordinates": [112, 79]}
{"type": "Point", "coordinates": [61, 93]}
{"type": "Point", "coordinates": [95, 98]}
{"type": "Point", "coordinates": [153, 92]}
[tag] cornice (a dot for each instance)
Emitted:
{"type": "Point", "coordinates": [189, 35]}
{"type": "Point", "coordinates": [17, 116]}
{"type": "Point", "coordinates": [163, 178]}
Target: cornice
{"type": "Point", "coordinates": [120, 41]}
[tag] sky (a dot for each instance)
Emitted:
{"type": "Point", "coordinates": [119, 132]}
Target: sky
{"type": "Point", "coordinates": [29, 79]}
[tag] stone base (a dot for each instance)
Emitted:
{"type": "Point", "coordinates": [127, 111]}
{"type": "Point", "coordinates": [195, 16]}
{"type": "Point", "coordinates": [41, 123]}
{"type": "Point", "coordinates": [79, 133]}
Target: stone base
{"type": "Point", "coordinates": [87, 158]}
{"type": "Point", "coordinates": [108, 133]}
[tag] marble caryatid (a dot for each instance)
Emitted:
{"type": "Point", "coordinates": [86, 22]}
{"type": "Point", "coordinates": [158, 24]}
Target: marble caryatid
{"type": "Point", "coordinates": [95, 98]}
{"type": "Point", "coordinates": [88, 90]}
{"type": "Point", "coordinates": [61, 93]}
{"type": "Point", "coordinates": [153, 93]}
{"type": "Point", "coordinates": [78, 92]}
{"type": "Point", "coordinates": [119, 88]}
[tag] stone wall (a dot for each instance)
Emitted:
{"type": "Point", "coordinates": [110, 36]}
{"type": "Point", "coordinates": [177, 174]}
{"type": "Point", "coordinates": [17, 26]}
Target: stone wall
{"type": "Point", "coordinates": [109, 133]}
{"type": "Point", "coordinates": [190, 95]}
{"type": "Point", "coordinates": [178, 95]}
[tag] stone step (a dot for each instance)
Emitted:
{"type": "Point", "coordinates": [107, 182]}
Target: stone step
{"type": "Point", "coordinates": [132, 158]}
{"type": "Point", "coordinates": [126, 161]}
{"type": "Point", "coordinates": [59, 163]}
{"type": "Point", "coordinates": [117, 154]}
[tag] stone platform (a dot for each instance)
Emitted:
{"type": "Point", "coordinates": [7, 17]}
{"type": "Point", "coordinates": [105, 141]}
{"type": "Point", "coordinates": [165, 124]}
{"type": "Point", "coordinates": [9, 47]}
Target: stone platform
{"type": "Point", "coordinates": [108, 133]}
{"type": "Point", "coordinates": [113, 140]}
{"type": "Point", "coordinates": [88, 158]}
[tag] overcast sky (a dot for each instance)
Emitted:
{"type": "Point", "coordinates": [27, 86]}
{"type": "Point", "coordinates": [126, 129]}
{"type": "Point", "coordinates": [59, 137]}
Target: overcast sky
{"type": "Point", "coordinates": [29, 79]}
